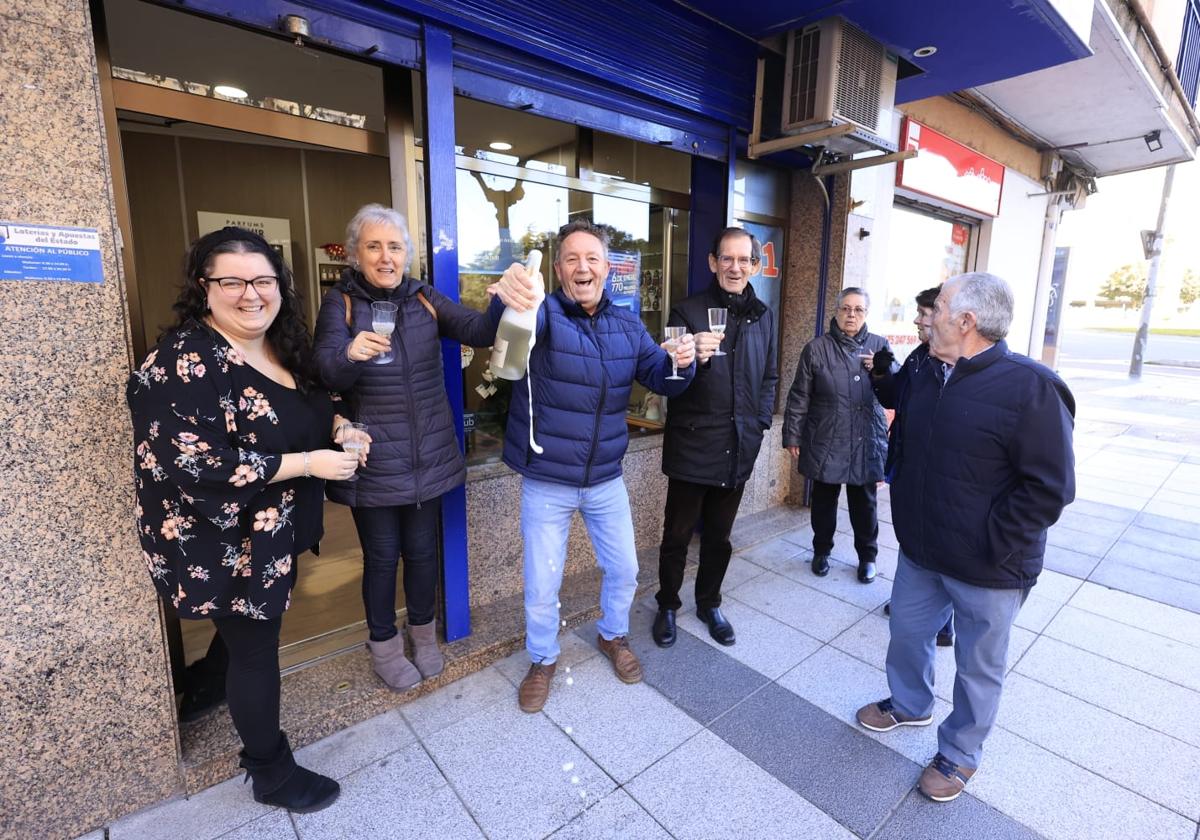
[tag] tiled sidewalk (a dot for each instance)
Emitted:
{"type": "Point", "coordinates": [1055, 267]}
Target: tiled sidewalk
{"type": "Point", "coordinates": [1097, 735]}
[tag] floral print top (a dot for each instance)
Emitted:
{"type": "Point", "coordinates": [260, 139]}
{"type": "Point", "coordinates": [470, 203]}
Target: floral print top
{"type": "Point", "coordinates": [209, 433]}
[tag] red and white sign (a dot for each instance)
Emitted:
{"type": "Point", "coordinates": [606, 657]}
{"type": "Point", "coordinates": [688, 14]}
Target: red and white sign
{"type": "Point", "coordinates": [948, 170]}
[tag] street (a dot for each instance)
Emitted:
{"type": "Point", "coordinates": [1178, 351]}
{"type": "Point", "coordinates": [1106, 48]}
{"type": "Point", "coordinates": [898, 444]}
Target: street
{"type": "Point", "coordinates": [1111, 350]}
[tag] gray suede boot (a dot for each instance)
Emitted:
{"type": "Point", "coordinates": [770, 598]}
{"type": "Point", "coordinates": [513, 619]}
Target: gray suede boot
{"type": "Point", "coordinates": [426, 655]}
{"type": "Point", "coordinates": [391, 665]}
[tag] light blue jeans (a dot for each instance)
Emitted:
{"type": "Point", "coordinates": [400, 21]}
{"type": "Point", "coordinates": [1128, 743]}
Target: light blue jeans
{"type": "Point", "coordinates": [546, 511]}
{"type": "Point", "coordinates": [921, 602]}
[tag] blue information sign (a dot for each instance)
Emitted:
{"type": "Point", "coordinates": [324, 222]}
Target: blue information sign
{"type": "Point", "coordinates": [43, 252]}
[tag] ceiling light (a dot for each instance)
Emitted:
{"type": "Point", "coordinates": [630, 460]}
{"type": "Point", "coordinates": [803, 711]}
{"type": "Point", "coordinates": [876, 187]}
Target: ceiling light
{"type": "Point", "coordinates": [500, 146]}
{"type": "Point", "coordinates": [1153, 140]}
{"type": "Point", "coordinates": [230, 92]}
{"type": "Point", "coordinates": [924, 52]}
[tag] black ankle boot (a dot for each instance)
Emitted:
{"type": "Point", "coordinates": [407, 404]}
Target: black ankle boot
{"type": "Point", "coordinates": [279, 781]}
{"type": "Point", "coordinates": [663, 630]}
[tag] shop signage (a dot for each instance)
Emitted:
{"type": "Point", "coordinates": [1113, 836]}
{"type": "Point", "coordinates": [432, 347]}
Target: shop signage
{"type": "Point", "coordinates": [624, 278]}
{"type": "Point", "coordinates": [43, 252]}
{"type": "Point", "coordinates": [948, 170]}
{"type": "Point", "coordinates": [770, 274]}
{"type": "Point", "coordinates": [277, 232]}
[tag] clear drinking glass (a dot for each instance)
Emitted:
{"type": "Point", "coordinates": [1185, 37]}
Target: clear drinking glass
{"type": "Point", "coordinates": [354, 439]}
{"type": "Point", "coordinates": [674, 336]}
{"type": "Point", "coordinates": [383, 322]}
{"type": "Point", "coordinates": [716, 324]}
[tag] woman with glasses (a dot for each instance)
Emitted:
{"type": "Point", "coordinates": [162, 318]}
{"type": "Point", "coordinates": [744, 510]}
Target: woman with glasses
{"type": "Point", "coordinates": [714, 431]}
{"type": "Point", "coordinates": [837, 432]}
{"type": "Point", "coordinates": [378, 343]}
{"type": "Point", "coordinates": [233, 444]}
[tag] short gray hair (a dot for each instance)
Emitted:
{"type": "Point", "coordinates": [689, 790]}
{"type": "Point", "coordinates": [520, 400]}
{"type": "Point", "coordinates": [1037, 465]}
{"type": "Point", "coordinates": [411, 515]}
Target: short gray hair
{"type": "Point", "coordinates": [853, 290]}
{"type": "Point", "coordinates": [986, 296]}
{"type": "Point", "coordinates": [376, 214]}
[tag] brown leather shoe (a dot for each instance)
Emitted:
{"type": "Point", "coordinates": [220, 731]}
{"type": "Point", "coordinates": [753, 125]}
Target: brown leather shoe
{"type": "Point", "coordinates": [883, 717]}
{"type": "Point", "coordinates": [624, 660]}
{"type": "Point", "coordinates": [944, 780]}
{"type": "Point", "coordinates": [535, 688]}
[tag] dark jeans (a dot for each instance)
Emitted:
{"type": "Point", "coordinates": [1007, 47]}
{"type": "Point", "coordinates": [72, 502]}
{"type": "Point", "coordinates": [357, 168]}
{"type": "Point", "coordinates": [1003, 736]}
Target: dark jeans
{"type": "Point", "coordinates": [385, 533]}
{"type": "Point", "coordinates": [860, 498]}
{"type": "Point", "coordinates": [252, 683]}
{"type": "Point", "coordinates": [717, 507]}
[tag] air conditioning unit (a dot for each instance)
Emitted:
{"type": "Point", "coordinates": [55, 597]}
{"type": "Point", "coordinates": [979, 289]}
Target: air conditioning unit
{"type": "Point", "coordinates": [836, 75]}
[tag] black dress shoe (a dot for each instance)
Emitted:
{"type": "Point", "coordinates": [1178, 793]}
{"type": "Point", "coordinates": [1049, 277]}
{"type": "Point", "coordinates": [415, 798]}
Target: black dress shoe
{"type": "Point", "coordinates": [887, 608]}
{"type": "Point", "coordinates": [945, 639]}
{"type": "Point", "coordinates": [820, 565]}
{"type": "Point", "coordinates": [866, 571]}
{"type": "Point", "coordinates": [663, 630]}
{"type": "Point", "coordinates": [718, 625]}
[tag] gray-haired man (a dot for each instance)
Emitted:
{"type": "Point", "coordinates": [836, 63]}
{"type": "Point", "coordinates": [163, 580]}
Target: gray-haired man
{"type": "Point", "coordinates": [986, 466]}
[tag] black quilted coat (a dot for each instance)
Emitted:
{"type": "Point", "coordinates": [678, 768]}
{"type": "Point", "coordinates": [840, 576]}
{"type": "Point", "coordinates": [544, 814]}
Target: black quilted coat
{"type": "Point", "coordinates": [832, 413]}
{"type": "Point", "coordinates": [415, 454]}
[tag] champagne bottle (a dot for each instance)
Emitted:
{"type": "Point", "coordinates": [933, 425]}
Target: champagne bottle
{"type": "Point", "coordinates": [515, 334]}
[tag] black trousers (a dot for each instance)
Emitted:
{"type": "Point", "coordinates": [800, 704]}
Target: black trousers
{"type": "Point", "coordinates": [252, 682]}
{"type": "Point", "coordinates": [687, 502]}
{"type": "Point", "coordinates": [386, 533]}
{"type": "Point", "coordinates": [860, 498]}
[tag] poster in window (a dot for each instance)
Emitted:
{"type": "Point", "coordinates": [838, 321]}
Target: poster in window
{"type": "Point", "coordinates": [624, 278]}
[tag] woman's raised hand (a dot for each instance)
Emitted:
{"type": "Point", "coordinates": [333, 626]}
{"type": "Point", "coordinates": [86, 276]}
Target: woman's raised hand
{"type": "Point", "coordinates": [332, 464]}
{"type": "Point", "coordinates": [366, 346]}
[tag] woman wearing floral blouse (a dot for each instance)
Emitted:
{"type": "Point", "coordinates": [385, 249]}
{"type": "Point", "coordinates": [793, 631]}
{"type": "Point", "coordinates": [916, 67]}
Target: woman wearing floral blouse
{"type": "Point", "coordinates": [233, 444]}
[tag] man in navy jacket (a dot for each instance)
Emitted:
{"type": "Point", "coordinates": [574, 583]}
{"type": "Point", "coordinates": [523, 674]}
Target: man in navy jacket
{"type": "Point", "coordinates": [586, 357]}
{"type": "Point", "coordinates": [985, 467]}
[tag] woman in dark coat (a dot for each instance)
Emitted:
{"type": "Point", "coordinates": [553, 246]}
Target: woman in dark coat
{"type": "Point", "coordinates": [232, 447]}
{"type": "Point", "coordinates": [415, 456]}
{"type": "Point", "coordinates": [837, 431]}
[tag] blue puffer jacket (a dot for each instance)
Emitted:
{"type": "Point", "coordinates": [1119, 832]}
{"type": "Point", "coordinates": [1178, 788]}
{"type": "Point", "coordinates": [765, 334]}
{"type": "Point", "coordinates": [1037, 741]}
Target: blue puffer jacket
{"type": "Point", "coordinates": [583, 368]}
{"type": "Point", "coordinates": [415, 454]}
{"type": "Point", "coordinates": [985, 467]}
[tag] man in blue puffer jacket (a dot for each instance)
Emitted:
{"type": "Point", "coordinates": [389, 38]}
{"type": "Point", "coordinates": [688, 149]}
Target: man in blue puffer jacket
{"type": "Point", "coordinates": [985, 467]}
{"type": "Point", "coordinates": [586, 357]}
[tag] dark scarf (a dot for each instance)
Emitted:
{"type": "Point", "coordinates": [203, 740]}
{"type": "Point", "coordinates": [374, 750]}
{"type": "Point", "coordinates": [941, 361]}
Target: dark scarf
{"type": "Point", "coordinates": [741, 305]}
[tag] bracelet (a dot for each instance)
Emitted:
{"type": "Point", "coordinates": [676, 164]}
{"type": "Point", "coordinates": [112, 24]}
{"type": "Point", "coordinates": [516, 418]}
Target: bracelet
{"type": "Point", "coordinates": [307, 465]}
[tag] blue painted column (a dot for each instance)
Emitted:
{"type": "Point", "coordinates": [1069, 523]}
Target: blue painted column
{"type": "Point", "coordinates": [710, 197]}
{"type": "Point", "coordinates": [441, 207]}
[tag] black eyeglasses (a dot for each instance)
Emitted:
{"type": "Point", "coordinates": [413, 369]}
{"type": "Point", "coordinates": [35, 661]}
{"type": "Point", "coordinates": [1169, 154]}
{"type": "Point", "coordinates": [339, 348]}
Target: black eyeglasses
{"type": "Point", "coordinates": [236, 286]}
{"type": "Point", "coordinates": [727, 261]}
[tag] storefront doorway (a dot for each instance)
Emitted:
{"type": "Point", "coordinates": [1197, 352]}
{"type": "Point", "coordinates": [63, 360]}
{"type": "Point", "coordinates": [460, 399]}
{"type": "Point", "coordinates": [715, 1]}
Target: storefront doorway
{"type": "Point", "coordinates": [925, 248]}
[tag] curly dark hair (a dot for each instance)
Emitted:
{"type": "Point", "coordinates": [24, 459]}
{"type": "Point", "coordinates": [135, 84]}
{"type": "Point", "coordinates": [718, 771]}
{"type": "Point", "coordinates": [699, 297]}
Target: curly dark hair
{"type": "Point", "coordinates": [928, 298]}
{"type": "Point", "coordinates": [288, 333]}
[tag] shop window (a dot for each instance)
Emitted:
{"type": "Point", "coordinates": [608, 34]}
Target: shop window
{"type": "Point", "coordinates": [621, 159]}
{"type": "Point", "coordinates": [924, 250]}
{"type": "Point", "coordinates": [511, 200]}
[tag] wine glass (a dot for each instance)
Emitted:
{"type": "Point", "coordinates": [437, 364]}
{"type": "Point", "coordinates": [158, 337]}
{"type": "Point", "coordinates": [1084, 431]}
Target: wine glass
{"type": "Point", "coordinates": [383, 322]}
{"type": "Point", "coordinates": [716, 324]}
{"type": "Point", "coordinates": [674, 336]}
{"type": "Point", "coordinates": [354, 439]}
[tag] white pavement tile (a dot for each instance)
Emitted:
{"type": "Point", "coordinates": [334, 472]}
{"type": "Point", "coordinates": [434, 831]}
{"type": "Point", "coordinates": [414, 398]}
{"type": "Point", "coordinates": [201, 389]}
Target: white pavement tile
{"type": "Point", "coordinates": [615, 817]}
{"type": "Point", "coordinates": [357, 746]}
{"type": "Point", "coordinates": [1129, 754]}
{"type": "Point", "coordinates": [1060, 799]}
{"type": "Point", "coordinates": [1173, 510]}
{"type": "Point", "coordinates": [1183, 547]}
{"type": "Point", "coordinates": [1178, 495]}
{"type": "Point", "coordinates": [460, 699]}
{"type": "Point", "coordinates": [1153, 702]}
{"type": "Point", "coordinates": [1132, 498]}
{"type": "Point", "coordinates": [210, 813]}
{"type": "Point", "coordinates": [1056, 586]}
{"type": "Point", "coordinates": [1037, 612]}
{"type": "Point", "coordinates": [772, 553]}
{"type": "Point", "coordinates": [738, 572]}
{"type": "Point", "coordinates": [808, 610]}
{"type": "Point", "coordinates": [842, 583]}
{"type": "Point", "coordinates": [1083, 542]}
{"type": "Point", "coordinates": [706, 789]}
{"type": "Point", "coordinates": [1166, 658]}
{"type": "Point", "coordinates": [1160, 619]}
{"type": "Point", "coordinates": [868, 640]}
{"type": "Point", "coordinates": [276, 826]}
{"type": "Point", "coordinates": [507, 767]}
{"type": "Point", "coordinates": [403, 794]}
{"type": "Point", "coordinates": [766, 645]}
{"type": "Point", "coordinates": [840, 684]}
{"type": "Point", "coordinates": [574, 650]}
{"type": "Point", "coordinates": [623, 728]}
